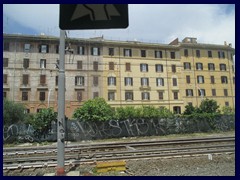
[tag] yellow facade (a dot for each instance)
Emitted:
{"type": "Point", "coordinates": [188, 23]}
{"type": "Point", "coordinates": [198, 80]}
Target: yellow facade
{"type": "Point", "coordinates": [123, 73]}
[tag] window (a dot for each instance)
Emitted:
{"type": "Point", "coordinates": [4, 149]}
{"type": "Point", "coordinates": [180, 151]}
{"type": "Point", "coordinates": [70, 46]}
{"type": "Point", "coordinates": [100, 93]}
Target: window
{"type": "Point", "coordinates": [200, 79]}
{"type": "Point", "coordinates": [145, 96]}
{"type": "Point", "coordinates": [111, 65]}
{"type": "Point", "coordinates": [174, 81]}
{"type": "Point", "coordinates": [27, 47]}
{"type": "Point", "coordinates": [213, 92]}
{"type": "Point", "coordinates": [227, 103]}
{"type": "Point", "coordinates": [42, 95]}
{"type": "Point", "coordinates": [211, 67]}
{"type": "Point", "coordinates": [79, 96]}
{"type": "Point", "coordinates": [210, 54]}
{"type": "Point", "coordinates": [173, 68]}
{"type": "Point", "coordinates": [81, 50]}
{"type": "Point", "coordinates": [199, 66]}
{"type": "Point", "coordinates": [111, 96]}
{"type": "Point", "coordinates": [25, 63]}
{"type": "Point", "coordinates": [221, 55]}
{"type": "Point", "coordinates": [79, 81]}
{"type": "Point", "coordinates": [5, 62]}
{"type": "Point", "coordinates": [56, 80]}
{"type": "Point", "coordinates": [160, 95]}
{"type": "Point", "coordinates": [201, 92]}
{"type": "Point", "coordinates": [198, 53]}
{"type": "Point", "coordinates": [143, 53]}
{"type": "Point", "coordinates": [190, 103]}
{"type": "Point", "coordinates": [4, 78]}
{"type": "Point", "coordinates": [95, 51]}
{"type": "Point", "coordinates": [158, 54]}
{"type": "Point", "coordinates": [111, 51]}
{"type": "Point", "coordinates": [144, 67]}
{"type": "Point", "coordinates": [189, 92]}
{"type": "Point", "coordinates": [144, 81]}
{"type": "Point", "coordinates": [187, 65]}
{"type": "Point", "coordinates": [24, 96]}
{"type": "Point", "coordinates": [212, 79]}
{"type": "Point", "coordinates": [95, 95]}
{"type": "Point", "coordinates": [42, 80]}
{"type": "Point", "coordinates": [175, 95]}
{"type": "Point", "coordinates": [25, 79]}
{"type": "Point", "coordinates": [225, 92]}
{"type": "Point", "coordinates": [39, 110]}
{"type": "Point", "coordinates": [160, 81]}
{"type": "Point", "coordinates": [172, 55]}
{"type": "Point", "coordinates": [6, 46]}
{"type": "Point", "coordinates": [224, 79]}
{"type": "Point", "coordinates": [95, 66]}
{"type": "Point", "coordinates": [223, 67]}
{"type": "Point", "coordinates": [26, 111]}
{"type": "Point", "coordinates": [188, 80]}
{"type": "Point", "coordinates": [128, 66]}
{"type": "Point", "coordinates": [128, 96]}
{"type": "Point", "coordinates": [95, 80]}
{"type": "Point", "coordinates": [186, 52]}
{"type": "Point", "coordinates": [112, 81]}
{"type": "Point", "coordinates": [128, 81]}
{"type": "Point", "coordinates": [43, 48]}
{"type": "Point", "coordinates": [176, 109]}
{"type": "Point", "coordinates": [127, 52]}
{"type": "Point", "coordinates": [159, 67]}
{"type": "Point", "coordinates": [43, 63]}
{"type": "Point", "coordinates": [79, 65]}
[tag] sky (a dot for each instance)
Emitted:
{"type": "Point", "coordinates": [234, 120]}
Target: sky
{"type": "Point", "coordinates": [152, 23]}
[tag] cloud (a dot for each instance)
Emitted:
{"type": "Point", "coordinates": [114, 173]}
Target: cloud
{"type": "Point", "coordinates": [209, 23]}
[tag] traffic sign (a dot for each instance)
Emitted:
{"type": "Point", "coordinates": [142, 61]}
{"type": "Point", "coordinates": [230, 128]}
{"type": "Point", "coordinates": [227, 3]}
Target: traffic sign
{"type": "Point", "coordinates": [93, 16]}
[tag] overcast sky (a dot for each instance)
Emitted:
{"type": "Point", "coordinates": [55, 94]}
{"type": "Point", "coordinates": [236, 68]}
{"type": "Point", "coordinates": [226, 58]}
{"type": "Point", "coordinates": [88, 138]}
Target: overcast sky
{"type": "Point", "coordinates": [159, 23]}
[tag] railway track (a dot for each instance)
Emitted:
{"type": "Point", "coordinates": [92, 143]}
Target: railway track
{"type": "Point", "coordinates": [33, 157]}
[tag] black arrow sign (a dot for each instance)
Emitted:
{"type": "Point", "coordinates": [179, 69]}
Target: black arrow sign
{"type": "Point", "coordinates": [93, 16]}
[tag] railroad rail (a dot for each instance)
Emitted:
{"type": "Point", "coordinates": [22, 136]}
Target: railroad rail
{"type": "Point", "coordinates": [33, 157]}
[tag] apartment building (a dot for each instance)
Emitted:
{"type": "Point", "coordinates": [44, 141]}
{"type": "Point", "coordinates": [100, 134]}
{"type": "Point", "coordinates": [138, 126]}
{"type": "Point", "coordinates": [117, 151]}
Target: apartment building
{"type": "Point", "coordinates": [123, 73]}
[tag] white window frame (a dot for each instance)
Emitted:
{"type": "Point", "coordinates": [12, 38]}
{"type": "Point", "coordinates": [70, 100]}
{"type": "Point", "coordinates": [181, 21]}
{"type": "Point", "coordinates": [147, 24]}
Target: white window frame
{"type": "Point", "coordinates": [79, 80]}
{"type": "Point", "coordinates": [43, 63]}
{"type": "Point", "coordinates": [160, 81]}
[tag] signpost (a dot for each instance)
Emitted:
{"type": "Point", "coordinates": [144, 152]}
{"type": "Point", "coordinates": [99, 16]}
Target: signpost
{"type": "Point", "coordinates": [74, 17]}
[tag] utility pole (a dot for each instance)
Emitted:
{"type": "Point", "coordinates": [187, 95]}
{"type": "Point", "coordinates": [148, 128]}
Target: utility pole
{"type": "Point", "coordinates": [61, 108]}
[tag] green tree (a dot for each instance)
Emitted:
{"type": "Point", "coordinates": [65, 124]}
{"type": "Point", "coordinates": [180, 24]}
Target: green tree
{"type": "Point", "coordinates": [13, 112]}
{"type": "Point", "coordinates": [95, 109]}
{"type": "Point", "coordinates": [209, 106]}
{"type": "Point", "coordinates": [123, 113]}
{"type": "Point", "coordinates": [42, 120]}
{"type": "Point", "coordinates": [227, 110]}
{"type": "Point", "coordinates": [189, 109]}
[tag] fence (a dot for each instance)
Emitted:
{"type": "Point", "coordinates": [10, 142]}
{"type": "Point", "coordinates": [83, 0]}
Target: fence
{"type": "Point", "coordinates": [79, 130]}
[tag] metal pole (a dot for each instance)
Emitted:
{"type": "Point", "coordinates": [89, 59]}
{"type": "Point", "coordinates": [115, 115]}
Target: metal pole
{"type": "Point", "coordinates": [61, 107]}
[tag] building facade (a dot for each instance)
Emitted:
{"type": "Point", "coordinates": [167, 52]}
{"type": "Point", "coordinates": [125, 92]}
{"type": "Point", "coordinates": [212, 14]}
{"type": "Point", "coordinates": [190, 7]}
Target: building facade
{"type": "Point", "coordinates": [123, 73]}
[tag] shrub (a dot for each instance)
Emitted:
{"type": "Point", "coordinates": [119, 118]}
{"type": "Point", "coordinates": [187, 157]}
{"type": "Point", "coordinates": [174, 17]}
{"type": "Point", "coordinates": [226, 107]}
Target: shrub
{"type": "Point", "coordinates": [94, 110]}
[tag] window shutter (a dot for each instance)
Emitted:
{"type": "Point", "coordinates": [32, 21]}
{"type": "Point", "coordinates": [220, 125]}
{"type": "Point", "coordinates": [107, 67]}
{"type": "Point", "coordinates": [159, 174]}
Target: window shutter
{"type": "Point", "coordinates": [91, 50]}
{"type": "Point", "coordinates": [99, 52]}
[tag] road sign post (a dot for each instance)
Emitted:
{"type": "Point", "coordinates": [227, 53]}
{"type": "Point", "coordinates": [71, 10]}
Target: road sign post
{"type": "Point", "coordinates": [61, 107]}
{"type": "Point", "coordinates": [81, 16]}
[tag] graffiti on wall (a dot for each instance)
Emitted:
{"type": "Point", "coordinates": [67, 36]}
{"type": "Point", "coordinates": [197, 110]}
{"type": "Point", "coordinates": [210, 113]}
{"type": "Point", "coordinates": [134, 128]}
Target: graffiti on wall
{"type": "Point", "coordinates": [79, 130]}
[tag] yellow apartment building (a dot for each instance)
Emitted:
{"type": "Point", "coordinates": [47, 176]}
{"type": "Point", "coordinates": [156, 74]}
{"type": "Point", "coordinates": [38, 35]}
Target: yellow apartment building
{"type": "Point", "coordinates": [124, 73]}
